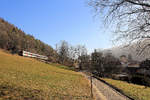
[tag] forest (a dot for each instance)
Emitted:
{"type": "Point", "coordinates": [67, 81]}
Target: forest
{"type": "Point", "coordinates": [15, 40]}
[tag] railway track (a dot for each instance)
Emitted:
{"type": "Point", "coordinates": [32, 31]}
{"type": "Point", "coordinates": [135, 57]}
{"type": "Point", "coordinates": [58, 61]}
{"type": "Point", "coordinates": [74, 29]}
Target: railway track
{"type": "Point", "coordinates": [106, 92]}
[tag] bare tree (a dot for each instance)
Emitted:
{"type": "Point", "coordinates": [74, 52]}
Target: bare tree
{"type": "Point", "coordinates": [130, 17]}
{"type": "Point", "coordinates": [130, 57]}
{"type": "Point", "coordinates": [72, 52]}
{"type": "Point", "coordinates": [63, 51]}
{"type": "Point", "coordinates": [83, 57]}
{"type": "Point", "coordinates": [80, 50]}
{"type": "Point", "coordinates": [97, 62]}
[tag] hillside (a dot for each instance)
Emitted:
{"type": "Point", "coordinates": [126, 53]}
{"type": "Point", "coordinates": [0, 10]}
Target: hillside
{"type": "Point", "coordinates": [28, 79]}
{"type": "Point", "coordinates": [14, 40]}
{"type": "Point", "coordinates": [133, 50]}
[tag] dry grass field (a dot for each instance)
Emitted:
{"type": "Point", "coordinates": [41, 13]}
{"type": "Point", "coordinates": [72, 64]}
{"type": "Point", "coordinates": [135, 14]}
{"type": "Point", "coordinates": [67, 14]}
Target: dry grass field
{"type": "Point", "coordinates": [24, 78]}
{"type": "Point", "coordinates": [137, 92]}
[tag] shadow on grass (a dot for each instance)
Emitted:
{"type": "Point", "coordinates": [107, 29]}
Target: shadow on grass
{"type": "Point", "coordinates": [63, 66]}
{"type": "Point", "coordinates": [70, 97]}
{"type": "Point", "coordinates": [12, 92]}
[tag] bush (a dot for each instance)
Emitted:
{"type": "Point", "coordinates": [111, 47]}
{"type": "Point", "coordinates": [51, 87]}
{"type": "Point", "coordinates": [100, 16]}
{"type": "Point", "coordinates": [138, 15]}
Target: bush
{"type": "Point", "coordinates": [140, 79]}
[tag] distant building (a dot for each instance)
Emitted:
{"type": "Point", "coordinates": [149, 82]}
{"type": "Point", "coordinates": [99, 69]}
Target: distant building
{"type": "Point", "coordinates": [76, 64]}
{"type": "Point", "coordinates": [124, 61]}
{"type": "Point", "coordinates": [127, 63]}
{"type": "Point", "coordinates": [133, 64]}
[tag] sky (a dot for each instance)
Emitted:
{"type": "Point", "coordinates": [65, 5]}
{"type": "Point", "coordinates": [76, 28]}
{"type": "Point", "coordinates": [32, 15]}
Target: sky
{"type": "Point", "coordinates": [54, 20]}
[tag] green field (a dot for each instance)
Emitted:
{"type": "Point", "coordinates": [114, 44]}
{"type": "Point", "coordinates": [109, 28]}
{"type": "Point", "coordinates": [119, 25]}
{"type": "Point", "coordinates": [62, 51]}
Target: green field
{"type": "Point", "coordinates": [137, 92]}
{"type": "Point", "coordinates": [24, 78]}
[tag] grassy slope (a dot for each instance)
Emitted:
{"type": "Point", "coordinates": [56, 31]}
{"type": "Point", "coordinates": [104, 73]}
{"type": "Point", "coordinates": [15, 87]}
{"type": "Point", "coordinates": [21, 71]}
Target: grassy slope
{"type": "Point", "coordinates": [25, 78]}
{"type": "Point", "coordinates": [136, 92]}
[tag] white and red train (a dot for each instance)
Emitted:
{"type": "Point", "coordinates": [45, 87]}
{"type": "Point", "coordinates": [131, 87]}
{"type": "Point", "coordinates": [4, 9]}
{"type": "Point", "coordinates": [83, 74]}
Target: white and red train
{"type": "Point", "coordinates": [33, 55]}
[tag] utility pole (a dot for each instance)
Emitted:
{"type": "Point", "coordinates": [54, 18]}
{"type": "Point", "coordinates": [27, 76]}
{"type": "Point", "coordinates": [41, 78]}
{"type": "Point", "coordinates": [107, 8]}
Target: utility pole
{"type": "Point", "coordinates": [91, 85]}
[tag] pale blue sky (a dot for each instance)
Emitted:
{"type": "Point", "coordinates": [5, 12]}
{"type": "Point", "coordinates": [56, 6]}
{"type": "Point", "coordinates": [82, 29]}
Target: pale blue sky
{"type": "Point", "coordinates": [55, 20]}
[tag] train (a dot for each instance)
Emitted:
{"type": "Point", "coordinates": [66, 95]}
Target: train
{"type": "Point", "coordinates": [33, 55]}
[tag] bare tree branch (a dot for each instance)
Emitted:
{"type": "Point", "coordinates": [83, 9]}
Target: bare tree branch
{"type": "Point", "coordinates": [130, 17]}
